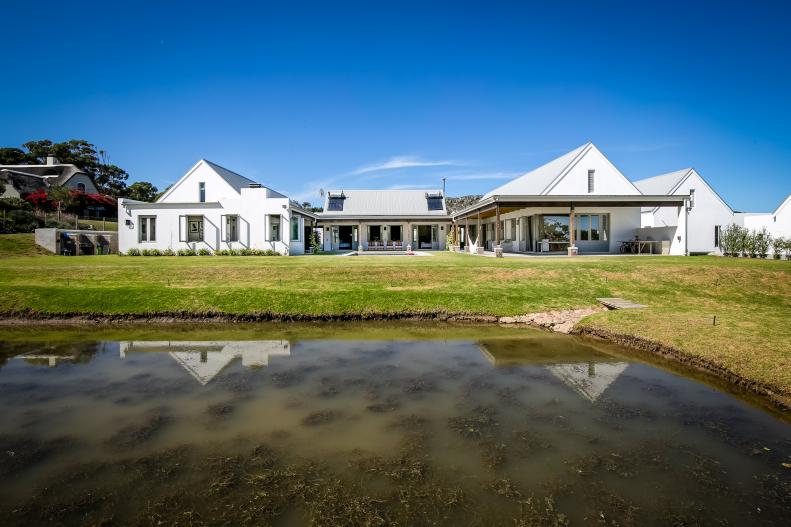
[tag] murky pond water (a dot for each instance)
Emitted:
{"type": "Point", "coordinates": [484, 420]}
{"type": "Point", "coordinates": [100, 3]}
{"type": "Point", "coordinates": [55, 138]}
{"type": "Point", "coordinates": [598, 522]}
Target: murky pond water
{"type": "Point", "coordinates": [372, 425]}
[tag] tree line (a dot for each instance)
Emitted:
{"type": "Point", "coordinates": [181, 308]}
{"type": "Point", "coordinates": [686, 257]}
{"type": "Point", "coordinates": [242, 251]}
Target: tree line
{"type": "Point", "coordinates": [110, 179]}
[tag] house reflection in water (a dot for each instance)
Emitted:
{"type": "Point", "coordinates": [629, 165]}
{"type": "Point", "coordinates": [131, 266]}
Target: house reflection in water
{"type": "Point", "coordinates": [587, 371]}
{"type": "Point", "coordinates": [590, 379]}
{"type": "Point", "coordinates": [204, 360]}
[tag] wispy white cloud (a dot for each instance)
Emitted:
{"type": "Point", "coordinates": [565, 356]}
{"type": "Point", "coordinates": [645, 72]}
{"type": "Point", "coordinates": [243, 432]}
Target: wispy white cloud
{"type": "Point", "coordinates": [399, 162]}
{"type": "Point", "coordinates": [483, 176]}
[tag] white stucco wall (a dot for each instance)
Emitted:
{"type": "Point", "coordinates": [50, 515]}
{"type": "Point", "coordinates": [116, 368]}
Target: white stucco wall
{"type": "Point", "coordinates": [708, 211]}
{"type": "Point", "coordinates": [252, 208]}
{"type": "Point", "coordinates": [608, 181]}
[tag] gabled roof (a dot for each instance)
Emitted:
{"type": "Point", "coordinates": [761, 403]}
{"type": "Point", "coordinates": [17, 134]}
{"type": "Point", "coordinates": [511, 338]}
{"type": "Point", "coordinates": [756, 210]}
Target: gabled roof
{"type": "Point", "coordinates": [535, 182]}
{"type": "Point", "coordinates": [786, 202]}
{"type": "Point", "coordinates": [396, 203]}
{"type": "Point", "coordinates": [672, 181]}
{"type": "Point", "coordinates": [663, 183]}
{"type": "Point", "coordinates": [51, 174]}
{"type": "Point", "coordinates": [234, 180]}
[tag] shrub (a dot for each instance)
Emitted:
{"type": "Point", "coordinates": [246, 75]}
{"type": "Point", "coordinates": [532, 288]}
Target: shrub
{"type": "Point", "coordinates": [762, 242]}
{"type": "Point", "coordinates": [133, 252]}
{"type": "Point", "coordinates": [314, 242]}
{"type": "Point", "coordinates": [204, 252]}
{"type": "Point", "coordinates": [221, 252]}
{"type": "Point", "coordinates": [246, 252]}
{"type": "Point", "coordinates": [778, 246]}
{"type": "Point", "coordinates": [168, 252]}
{"type": "Point", "coordinates": [729, 240]}
{"type": "Point", "coordinates": [146, 252]}
{"type": "Point", "coordinates": [186, 252]}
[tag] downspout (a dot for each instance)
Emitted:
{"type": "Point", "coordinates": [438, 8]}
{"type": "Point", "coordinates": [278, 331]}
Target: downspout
{"type": "Point", "coordinates": [686, 228]}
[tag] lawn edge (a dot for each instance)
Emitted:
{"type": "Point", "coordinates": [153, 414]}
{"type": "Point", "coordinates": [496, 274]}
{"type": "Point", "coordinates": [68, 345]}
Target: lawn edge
{"type": "Point", "coordinates": [774, 394]}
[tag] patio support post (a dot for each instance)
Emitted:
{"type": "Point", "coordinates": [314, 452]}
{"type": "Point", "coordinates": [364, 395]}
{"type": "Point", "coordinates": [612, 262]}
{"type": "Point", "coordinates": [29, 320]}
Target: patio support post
{"type": "Point", "coordinates": [456, 241]}
{"type": "Point", "coordinates": [498, 235]}
{"type": "Point", "coordinates": [478, 248]}
{"type": "Point", "coordinates": [359, 237]}
{"type": "Point", "coordinates": [572, 250]}
{"type": "Point", "coordinates": [467, 234]}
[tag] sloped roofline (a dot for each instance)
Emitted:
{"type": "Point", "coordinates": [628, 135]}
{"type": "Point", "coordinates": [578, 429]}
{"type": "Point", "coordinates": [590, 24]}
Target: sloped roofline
{"type": "Point", "coordinates": [782, 205]}
{"type": "Point", "coordinates": [687, 173]}
{"type": "Point", "coordinates": [587, 148]}
{"type": "Point", "coordinates": [210, 165]}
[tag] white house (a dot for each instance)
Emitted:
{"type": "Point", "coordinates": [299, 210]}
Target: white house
{"type": "Point", "coordinates": [777, 223]}
{"type": "Point", "coordinates": [708, 212]}
{"type": "Point", "coordinates": [213, 208]}
{"type": "Point", "coordinates": [579, 202]}
{"type": "Point", "coordinates": [384, 219]}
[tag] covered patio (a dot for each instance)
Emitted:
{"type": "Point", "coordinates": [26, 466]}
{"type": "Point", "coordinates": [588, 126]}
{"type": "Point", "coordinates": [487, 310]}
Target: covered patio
{"type": "Point", "coordinates": [587, 224]}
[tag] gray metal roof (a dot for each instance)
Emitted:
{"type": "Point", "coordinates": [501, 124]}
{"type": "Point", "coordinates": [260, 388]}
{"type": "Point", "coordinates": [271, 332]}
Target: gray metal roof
{"type": "Point", "coordinates": [535, 182]}
{"type": "Point", "coordinates": [661, 184]}
{"type": "Point", "coordinates": [395, 203]}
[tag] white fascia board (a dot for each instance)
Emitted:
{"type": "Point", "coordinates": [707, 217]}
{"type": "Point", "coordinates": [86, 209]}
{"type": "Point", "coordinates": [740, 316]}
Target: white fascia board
{"type": "Point", "coordinates": [157, 205]}
{"type": "Point", "coordinates": [177, 183]}
{"type": "Point", "coordinates": [632, 200]}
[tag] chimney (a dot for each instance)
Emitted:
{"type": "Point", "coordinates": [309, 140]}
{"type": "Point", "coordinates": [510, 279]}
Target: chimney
{"type": "Point", "coordinates": [52, 160]}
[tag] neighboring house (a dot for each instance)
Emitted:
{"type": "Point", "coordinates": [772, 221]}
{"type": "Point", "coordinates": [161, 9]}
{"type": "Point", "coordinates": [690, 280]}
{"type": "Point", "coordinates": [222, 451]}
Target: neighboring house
{"type": "Point", "coordinates": [708, 212]}
{"type": "Point", "coordinates": [364, 219]}
{"type": "Point", "coordinates": [213, 208]}
{"type": "Point", "coordinates": [577, 202]}
{"type": "Point", "coordinates": [20, 180]}
{"type": "Point", "coordinates": [778, 223]}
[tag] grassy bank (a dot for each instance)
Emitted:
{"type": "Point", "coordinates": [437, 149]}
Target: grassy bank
{"type": "Point", "coordinates": [751, 299]}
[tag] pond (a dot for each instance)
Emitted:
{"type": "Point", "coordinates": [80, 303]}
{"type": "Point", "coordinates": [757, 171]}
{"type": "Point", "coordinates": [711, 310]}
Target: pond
{"type": "Point", "coordinates": [377, 424]}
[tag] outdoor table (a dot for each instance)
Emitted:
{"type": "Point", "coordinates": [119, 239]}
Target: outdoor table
{"type": "Point", "coordinates": [638, 246]}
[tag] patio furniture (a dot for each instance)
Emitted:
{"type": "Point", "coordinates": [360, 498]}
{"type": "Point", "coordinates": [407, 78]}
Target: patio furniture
{"type": "Point", "coordinates": [639, 246]}
{"type": "Point", "coordinates": [397, 246]}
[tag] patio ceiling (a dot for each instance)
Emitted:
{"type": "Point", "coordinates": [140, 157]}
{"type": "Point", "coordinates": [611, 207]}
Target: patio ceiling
{"type": "Point", "coordinates": [488, 207]}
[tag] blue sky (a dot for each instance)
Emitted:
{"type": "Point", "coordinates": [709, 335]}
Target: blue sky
{"type": "Point", "coordinates": [375, 94]}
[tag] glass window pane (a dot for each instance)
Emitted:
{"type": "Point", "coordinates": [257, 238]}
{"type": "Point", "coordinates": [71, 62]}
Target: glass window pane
{"type": "Point", "coordinates": [556, 228]}
{"type": "Point", "coordinates": [595, 227]}
{"type": "Point", "coordinates": [143, 229]}
{"type": "Point", "coordinates": [152, 229]}
{"type": "Point", "coordinates": [584, 225]}
{"type": "Point", "coordinates": [294, 228]}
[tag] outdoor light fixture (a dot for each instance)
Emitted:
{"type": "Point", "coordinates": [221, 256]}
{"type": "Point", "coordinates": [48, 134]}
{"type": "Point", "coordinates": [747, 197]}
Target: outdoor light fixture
{"type": "Point", "coordinates": [128, 222]}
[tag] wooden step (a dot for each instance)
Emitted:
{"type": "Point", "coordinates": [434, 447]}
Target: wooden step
{"type": "Point", "coordinates": [618, 303]}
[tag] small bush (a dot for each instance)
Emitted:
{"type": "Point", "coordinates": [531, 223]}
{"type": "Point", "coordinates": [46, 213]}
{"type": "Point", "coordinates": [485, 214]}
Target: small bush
{"type": "Point", "coordinates": [246, 252]}
{"type": "Point", "coordinates": [168, 252]}
{"type": "Point", "coordinates": [762, 242]}
{"type": "Point", "coordinates": [221, 252]}
{"type": "Point", "coordinates": [204, 252]}
{"type": "Point", "coordinates": [778, 246]}
{"type": "Point", "coordinates": [186, 252]}
{"type": "Point", "coordinates": [133, 252]}
{"type": "Point", "coordinates": [151, 252]}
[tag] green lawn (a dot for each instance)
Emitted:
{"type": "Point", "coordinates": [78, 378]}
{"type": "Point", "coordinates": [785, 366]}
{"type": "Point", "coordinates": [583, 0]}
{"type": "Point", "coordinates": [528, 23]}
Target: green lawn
{"type": "Point", "coordinates": [751, 299]}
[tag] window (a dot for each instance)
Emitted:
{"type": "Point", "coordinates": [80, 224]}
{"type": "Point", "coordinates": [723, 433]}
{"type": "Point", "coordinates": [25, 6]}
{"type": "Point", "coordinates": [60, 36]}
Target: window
{"type": "Point", "coordinates": [81, 187]}
{"type": "Point", "coordinates": [147, 226]}
{"type": "Point", "coordinates": [202, 192]}
{"type": "Point", "coordinates": [595, 227]}
{"type": "Point", "coordinates": [591, 227]}
{"type": "Point", "coordinates": [717, 231]}
{"type": "Point", "coordinates": [294, 228]}
{"type": "Point", "coordinates": [274, 228]}
{"type": "Point", "coordinates": [335, 202]}
{"type": "Point", "coordinates": [556, 228]}
{"type": "Point", "coordinates": [434, 202]}
{"type": "Point", "coordinates": [584, 224]}
{"type": "Point", "coordinates": [195, 228]}
{"type": "Point", "coordinates": [232, 228]}
{"type": "Point", "coordinates": [591, 181]}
